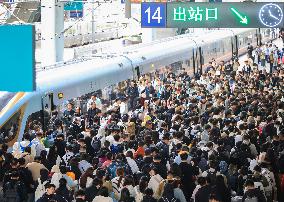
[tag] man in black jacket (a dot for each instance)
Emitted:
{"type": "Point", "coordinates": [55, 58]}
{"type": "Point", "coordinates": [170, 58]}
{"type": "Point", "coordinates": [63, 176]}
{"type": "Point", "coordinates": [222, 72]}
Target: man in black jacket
{"type": "Point", "coordinates": [68, 114]}
{"type": "Point", "coordinates": [162, 168]}
{"type": "Point", "coordinates": [253, 193]}
{"type": "Point", "coordinates": [164, 149]}
{"type": "Point", "coordinates": [204, 191]}
{"type": "Point", "coordinates": [60, 145]}
{"type": "Point", "coordinates": [132, 93]}
{"type": "Point", "coordinates": [187, 183]}
{"type": "Point", "coordinates": [27, 178]}
{"type": "Point", "coordinates": [50, 195]}
{"type": "Point", "coordinates": [92, 112]}
{"type": "Point", "coordinates": [250, 49]}
{"type": "Point", "coordinates": [14, 189]}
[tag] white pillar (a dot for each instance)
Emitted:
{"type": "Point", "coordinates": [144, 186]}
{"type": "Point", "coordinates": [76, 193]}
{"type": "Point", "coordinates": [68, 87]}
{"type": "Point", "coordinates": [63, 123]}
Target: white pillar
{"type": "Point", "coordinates": [148, 35]}
{"type": "Point", "coordinates": [52, 25]}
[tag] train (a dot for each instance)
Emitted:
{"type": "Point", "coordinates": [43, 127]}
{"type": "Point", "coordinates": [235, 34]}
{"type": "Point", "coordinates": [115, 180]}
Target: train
{"type": "Point", "coordinates": [63, 81]}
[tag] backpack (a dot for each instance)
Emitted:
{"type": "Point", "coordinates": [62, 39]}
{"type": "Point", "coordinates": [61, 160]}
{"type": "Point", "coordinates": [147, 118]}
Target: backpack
{"type": "Point", "coordinates": [40, 190]}
{"type": "Point", "coordinates": [251, 199]}
{"type": "Point", "coordinates": [212, 177]}
{"type": "Point", "coordinates": [11, 194]}
{"type": "Point", "coordinates": [203, 164]}
{"type": "Point", "coordinates": [112, 169]}
{"type": "Point", "coordinates": [96, 144]}
{"type": "Point", "coordinates": [115, 149]}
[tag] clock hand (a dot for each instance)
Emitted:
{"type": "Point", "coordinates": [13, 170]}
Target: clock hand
{"type": "Point", "coordinates": [270, 14]}
{"type": "Point", "coordinates": [274, 17]}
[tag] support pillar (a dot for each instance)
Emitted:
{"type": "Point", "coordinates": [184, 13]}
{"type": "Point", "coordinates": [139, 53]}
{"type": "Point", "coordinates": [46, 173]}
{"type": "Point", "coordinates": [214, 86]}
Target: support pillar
{"type": "Point", "coordinates": [148, 34]}
{"type": "Point", "coordinates": [52, 36]}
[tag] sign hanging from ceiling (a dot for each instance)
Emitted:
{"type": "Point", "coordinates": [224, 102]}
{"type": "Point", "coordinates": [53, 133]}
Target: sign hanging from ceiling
{"type": "Point", "coordinates": [212, 15]}
{"type": "Point", "coordinates": [17, 56]}
{"type": "Point", "coordinates": [75, 9]}
{"type": "Point", "coordinates": [71, 6]}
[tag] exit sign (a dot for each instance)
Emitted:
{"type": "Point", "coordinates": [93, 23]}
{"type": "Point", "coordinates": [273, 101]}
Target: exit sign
{"type": "Point", "coordinates": [212, 15]}
{"type": "Point", "coordinates": [153, 15]}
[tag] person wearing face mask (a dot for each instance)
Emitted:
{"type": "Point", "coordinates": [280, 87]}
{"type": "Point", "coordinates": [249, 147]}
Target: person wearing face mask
{"type": "Point", "coordinates": [252, 147]}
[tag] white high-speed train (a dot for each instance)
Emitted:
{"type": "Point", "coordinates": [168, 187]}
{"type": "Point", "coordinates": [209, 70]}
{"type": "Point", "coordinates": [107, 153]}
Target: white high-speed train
{"type": "Point", "coordinates": [77, 78]}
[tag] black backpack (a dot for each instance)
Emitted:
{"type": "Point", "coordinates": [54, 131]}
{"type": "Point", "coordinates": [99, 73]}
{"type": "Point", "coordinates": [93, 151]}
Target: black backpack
{"type": "Point", "coordinates": [96, 144]}
{"type": "Point", "coordinates": [11, 194]}
{"type": "Point", "coordinates": [212, 177]}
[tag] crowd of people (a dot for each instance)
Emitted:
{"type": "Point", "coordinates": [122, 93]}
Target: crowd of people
{"type": "Point", "coordinates": [167, 137]}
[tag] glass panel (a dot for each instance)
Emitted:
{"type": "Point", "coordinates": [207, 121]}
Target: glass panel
{"type": "Point", "coordinates": [5, 97]}
{"type": "Point", "coordinates": [10, 130]}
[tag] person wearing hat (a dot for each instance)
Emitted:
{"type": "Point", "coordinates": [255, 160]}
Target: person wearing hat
{"type": "Point", "coordinates": [50, 195]}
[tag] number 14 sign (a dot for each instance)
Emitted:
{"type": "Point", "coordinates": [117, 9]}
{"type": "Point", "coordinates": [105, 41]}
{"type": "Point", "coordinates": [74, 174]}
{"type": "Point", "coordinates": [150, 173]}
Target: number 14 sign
{"type": "Point", "coordinates": [153, 15]}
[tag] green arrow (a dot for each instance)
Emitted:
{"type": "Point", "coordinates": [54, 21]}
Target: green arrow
{"type": "Point", "coordinates": [244, 19]}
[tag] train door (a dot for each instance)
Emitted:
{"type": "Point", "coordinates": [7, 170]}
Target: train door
{"type": "Point", "coordinates": [47, 106]}
{"type": "Point", "coordinates": [236, 46]}
{"type": "Point", "coordinates": [200, 59]}
{"type": "Point", "coordinates": [194, 61]}
{"type": "Point", "coordinates": [258, 37]}
{"type": "Point", "coordinates": [197, 60]}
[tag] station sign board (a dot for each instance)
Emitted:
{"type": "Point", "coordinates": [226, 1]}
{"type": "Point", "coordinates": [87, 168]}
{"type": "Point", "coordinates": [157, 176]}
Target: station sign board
{"type": "Point", "coordinates": [76, 14]}
{"type": "Point", "coordinates": [17, 56]}
{"type": "Point", "coordinates": [75, 9]}
{"type": "Point", "coordinates": [72, 6]}
{"type": "Point", "coordinates": [212, 15]}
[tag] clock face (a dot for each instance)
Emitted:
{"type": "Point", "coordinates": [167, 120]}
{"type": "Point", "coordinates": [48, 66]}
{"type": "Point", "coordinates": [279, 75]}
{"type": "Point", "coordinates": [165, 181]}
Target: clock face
{"type": "Point", "coordinates": [271, 15]}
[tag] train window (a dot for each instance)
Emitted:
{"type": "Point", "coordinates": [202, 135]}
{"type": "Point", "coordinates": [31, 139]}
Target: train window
{"type": "Point", "coordinates": [9, 131]}
{"type": "Point", "coordinates": [5, 98]}
{"type": "Point", "coordinates": [227, 47]}
{"type": "Point", "coordinates": [187, 62]}
{"type": "Point", "coordinates": [219, 50]}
